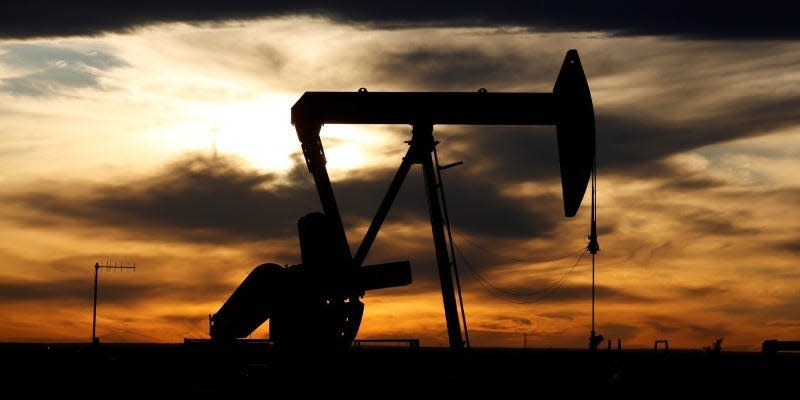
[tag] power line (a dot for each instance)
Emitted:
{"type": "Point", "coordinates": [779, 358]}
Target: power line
{"type": "Point", "coordinates": [529, 260]}
{"type": "Point", "coordinates": [454, 264]}
{"type": "Point", "coordinates": [515, 297]}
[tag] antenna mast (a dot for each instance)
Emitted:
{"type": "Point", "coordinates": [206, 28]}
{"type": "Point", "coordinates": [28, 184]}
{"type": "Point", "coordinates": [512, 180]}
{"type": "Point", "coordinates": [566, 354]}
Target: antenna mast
{"type": "Point", "coordinates": [110, 267]}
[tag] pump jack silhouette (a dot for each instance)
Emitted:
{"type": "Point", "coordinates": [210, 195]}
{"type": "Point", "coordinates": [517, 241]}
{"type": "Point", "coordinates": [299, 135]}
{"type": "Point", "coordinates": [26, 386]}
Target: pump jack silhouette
{"type": "Point", "coordinates": [316, 305]}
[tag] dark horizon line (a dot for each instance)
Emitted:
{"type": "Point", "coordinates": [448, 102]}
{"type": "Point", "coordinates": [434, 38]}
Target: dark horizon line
{"type": "Point", "coordinates": [601, 349]}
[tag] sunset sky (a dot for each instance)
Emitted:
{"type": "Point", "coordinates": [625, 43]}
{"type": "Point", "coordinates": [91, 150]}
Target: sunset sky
{"type": "Point", "coordinates": [160, 134]}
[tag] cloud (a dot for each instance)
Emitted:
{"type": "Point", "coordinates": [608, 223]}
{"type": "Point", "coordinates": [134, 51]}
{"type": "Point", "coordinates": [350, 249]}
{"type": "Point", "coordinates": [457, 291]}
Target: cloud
{"type": "Point", "coordinates": [670, 325]}
{"type": "Point", "coordinates": [501, 323]}
{"type": "Point", "coordinates": [698, 292]}
{"type": "Point", "coordinates": [51, 70]}
{"type": "Point", "coordinates": [709, 221]}
{"type": "Point", "coordinates": [71, 291]}
{"type": "Point", "coordinates": [214, 199]}
{"type": "Point", "coordinates": [625, 141]}
{"type": "Point", "coordinates": [770, 19]}
{"type": "Point", "coordinates": [546, 293]}
{"type": "Point", "coordinates": [516, 320]}
{"type": "Point", "coordinates": [681, 181]}
{"type": "Point", "coordinates": [538, 291]}
{"type": "Point", "coordinates": [617, 330]}
{"type": "Point", "coordinates": [476, 205]}
{"type": "Point", "coordinates": [653, 98]}
{"type": "Point", "coordinates": [679, 96]}
{"type": "Point", "coordinates": [432, 68]}
{"type": "Point", "coordinates": [506, 153]}
{"type": "Point", "coordinates": [62, 290]}
{"type": "Point", "coordinates": [664, 325]}
{"type": "Point", "coordinates": [779, 308]}
{"type": "Point", "coordinates": [197, 198]}
{"type": "Point", "coordinates": [561, 315]}
{"type": "Point", "coordinates": [791, 246]}
{"type": "Point", "coordinates": [204, 200]}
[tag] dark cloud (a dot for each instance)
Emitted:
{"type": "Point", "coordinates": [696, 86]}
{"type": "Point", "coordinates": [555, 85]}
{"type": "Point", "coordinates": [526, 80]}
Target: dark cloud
{"type": "Point", "coordinates": [505, 153]}
{"type": "Point", "coordinates": [616, 330]}
{"type": "Point", "coordinates": [769, 19]}
{"type": "Point", "coordinates": [665, 325]}
{"type": "Point", "coordinates": [783, 324]}
{"type": "Point", "coordinates": [197, 199]}
{"type": "Point", "coordinates": [699, 292]}
{"type": "Point", "coordinates": [546, 292]}
{"type": "Point", "coordinates": [778, 308]}
{"type": "Point", "coordinates": [724, 216]}
{"type": "Point", "coordinates": [627, 145]}
{"type": "Point", "coordinates": [62, 290]}
{"type": "Point", "coordinates": [541, 291]}
{"type": "Point", "coordinates": [502, 323]}
{"type": "Point", "coordinates": [111, 291]}
{"type": "Point", "coordinates": [712, 332]}
{"type": "Point", "coordinates": [516, 320]}
{"type": "Point", "coordinates": [50, 69]}
{"type": "Point", "coordinates": [456, 69]}
{"type": "Point", "coordinates": [625, 142]}
{"type": "Point", "coordinates": [633, 139]}
{"type": "Point", "coordinates": [791, 246]}
{"type": "Point", "coordinates": [559, 315]}
{"type": "Point", "coordinates": [476, 206]}
{"type": "Point", "coordinates": [213, 199]}
{"type": "Point", "coordinates": [712, 222]}
{"type": "Point", "coordinates": [682, 181]}
{"type": "Point", "coordinates": [769, 272]}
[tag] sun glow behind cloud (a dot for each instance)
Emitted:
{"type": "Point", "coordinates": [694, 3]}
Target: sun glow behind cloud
{"type": "Point", "coordinates": [256, 130]}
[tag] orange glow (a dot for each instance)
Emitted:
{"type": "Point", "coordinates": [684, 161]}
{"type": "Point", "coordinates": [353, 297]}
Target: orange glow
{"type": "Point", "coordinates": [698, 151]}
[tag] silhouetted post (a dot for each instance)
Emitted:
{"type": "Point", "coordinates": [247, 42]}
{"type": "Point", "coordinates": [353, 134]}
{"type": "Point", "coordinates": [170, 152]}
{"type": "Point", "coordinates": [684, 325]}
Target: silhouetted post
{"type": "Point", "coordinates": [94, 307]}
{"type": "Point", "coordinates": [452, 253]}
{"type": "Point", "coordinates": [593, 248]}
{"type": "Point", "coordinates": [422, 136]}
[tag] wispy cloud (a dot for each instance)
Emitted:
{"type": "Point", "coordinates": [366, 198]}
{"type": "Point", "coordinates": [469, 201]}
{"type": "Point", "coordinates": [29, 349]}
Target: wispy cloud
{"type": "Point", "coordinates": [51, 70]}
{"type": "Point", "coordinates": [130, 292]}
{"type": "Point", "coordinates": [213, 198]}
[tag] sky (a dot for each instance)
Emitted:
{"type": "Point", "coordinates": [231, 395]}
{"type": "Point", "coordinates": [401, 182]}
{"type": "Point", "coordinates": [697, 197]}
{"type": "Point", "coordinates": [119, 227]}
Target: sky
{"type": "Point", "coordinates": [159, 134]}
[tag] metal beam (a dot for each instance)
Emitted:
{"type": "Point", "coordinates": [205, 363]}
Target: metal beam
{"type": "Point", "coordinates": [383, 209]}
{"type": "Point", "coordinates": [460, 108]}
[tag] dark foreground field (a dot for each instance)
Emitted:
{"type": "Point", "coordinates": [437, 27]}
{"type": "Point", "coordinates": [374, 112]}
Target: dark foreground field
{"type": "Point", "coordinates": [379, 372]}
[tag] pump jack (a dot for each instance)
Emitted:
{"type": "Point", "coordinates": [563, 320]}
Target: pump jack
{"type": "Point", "coordinates": [317, 304]}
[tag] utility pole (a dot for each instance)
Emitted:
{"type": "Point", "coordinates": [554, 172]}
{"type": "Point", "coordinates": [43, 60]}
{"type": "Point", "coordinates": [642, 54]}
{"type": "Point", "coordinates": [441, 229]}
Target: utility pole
{"type": "Point", "coordinates": [593, 248]}
{"type": "Point", "coordinates": [97, 267]}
